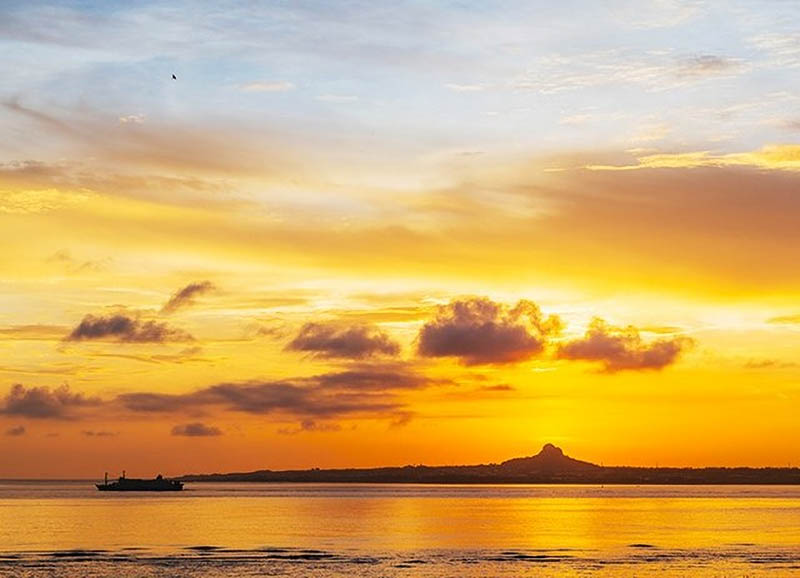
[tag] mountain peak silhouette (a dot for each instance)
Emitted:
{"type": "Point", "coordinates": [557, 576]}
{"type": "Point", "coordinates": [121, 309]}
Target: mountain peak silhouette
{"type": "Point", "coordinates": [551, 450]}
{"type": "Point", "coordinates": [550, 458]}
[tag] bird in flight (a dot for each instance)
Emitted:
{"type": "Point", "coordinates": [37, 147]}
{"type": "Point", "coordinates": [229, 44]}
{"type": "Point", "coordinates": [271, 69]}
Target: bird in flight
{"type": "Point", "coordinates": [174, 77]}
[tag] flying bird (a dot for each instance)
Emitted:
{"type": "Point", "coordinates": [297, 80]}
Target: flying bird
{"type": "Point", "coordinates": [174, 77]}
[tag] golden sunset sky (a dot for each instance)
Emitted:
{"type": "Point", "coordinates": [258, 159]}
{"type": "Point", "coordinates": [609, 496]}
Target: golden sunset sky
{"type": "Point", "coordinates": [379, 233]}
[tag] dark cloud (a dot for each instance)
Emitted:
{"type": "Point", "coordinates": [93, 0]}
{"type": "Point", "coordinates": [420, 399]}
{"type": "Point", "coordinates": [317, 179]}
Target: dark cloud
{"type": "Point", "coordinates": [344, 342]}
{"type": "Point", "coordinates": [121, 327]}
{"type": "Point", "coordinates": [43, 402]}
{"type": "Point", "coordinates": [196, 429]}
{"type": "Point", "coordinates": [361, 390]}
{"type": "Point", "coordinates": [185, 297]}
{"type": "Point", "coordinates": [499, 387]}
{"type": "Point", "coordinates": [477, 331]}
{"type": "Point", "coordinates": [309, 425]}
{"type": "Point", "coordinates": [372, 378]}
{"type": "Point", "coordinates": [619, 348]}
{"type": "Point", "coordinates": [99, 434]}
{"type": "Point", "coordinates": [16, 431]}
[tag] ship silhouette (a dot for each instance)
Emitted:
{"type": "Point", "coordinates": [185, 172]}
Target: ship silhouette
{"type": "Point", "coordinates": [123, 484]}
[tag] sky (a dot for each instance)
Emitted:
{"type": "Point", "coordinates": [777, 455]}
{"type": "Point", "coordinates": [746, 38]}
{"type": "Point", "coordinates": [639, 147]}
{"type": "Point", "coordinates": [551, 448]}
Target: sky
{"type": "Point", "coordinates": [381, 233]}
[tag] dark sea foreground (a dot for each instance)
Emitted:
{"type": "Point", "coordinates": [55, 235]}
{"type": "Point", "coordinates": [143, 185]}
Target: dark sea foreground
{"type": "Point", "coordinates": [52, 529]}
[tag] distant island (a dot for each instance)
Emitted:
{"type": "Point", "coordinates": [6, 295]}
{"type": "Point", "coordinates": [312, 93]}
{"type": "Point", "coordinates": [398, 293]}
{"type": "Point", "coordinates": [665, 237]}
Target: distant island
{"type": "Point", "coordinates": [549, 466]}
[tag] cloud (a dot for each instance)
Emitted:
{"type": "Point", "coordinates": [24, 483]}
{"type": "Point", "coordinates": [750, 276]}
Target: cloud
{"type": "Point", "coordinates": [261, 398]}
{"type": "Point", "coordinates": [653, 70]}
{"type": "Point", "coordinates": [126, 329]}
{"type": "Point", "coordinates": [43, 402]}
{"type": "Point", "coordinates": [783, 50]}
{"type": "Point", "coordinates": [99, 434]}
{"type": "Point", "coordinates": [620, 349]}
{"type": "Point", "coordinates": [776, 157]}
{"type": "Point", "coordinates": [350, 343]}
{"type": "Point", "coordinates": [369, 378]}
{"type": "Point", "coordinates": [479, 331]}
{"type": "Point", "coordinates": [33, 332]}
{"type": "Point", "coordinates": [64, 257]}
{"type": "Point", "coordinates": [785, 319]}
{"type": "Point", "coordinates": [769, 364]}
{"type": "Point", "coordinates": [705, 65]}
{"type": "Point", "coordinates": [185, 296]}
{"type": "Point", "coordinates": [499, 387]}
{"type": "Point", "coordinates": [281, 86]}
{"type": "Point", "coordinates": [196, 429]}
{"type": "Point", "coordinates": [309, 425]}
{"type": "Point", "coordinates": [16, 431]}
{"type": "Point", "coordinates": [364, 389]}
{"type": "Point", "coordinates": [465, 87]}
{"type": "Point", "coordinates": [132, 119]}
{"type": "Point", "coordinates": [338, 98]}
{"type": "Point", "coordinates": [31, 201]}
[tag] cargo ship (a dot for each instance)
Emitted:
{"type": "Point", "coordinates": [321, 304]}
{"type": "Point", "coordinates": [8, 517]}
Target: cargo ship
{"type": "Point", "coordinates": [123, 484]}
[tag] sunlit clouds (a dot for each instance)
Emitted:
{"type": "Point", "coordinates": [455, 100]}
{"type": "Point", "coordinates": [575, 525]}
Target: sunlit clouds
{"type": "Point", "coordinates": [397, 233]}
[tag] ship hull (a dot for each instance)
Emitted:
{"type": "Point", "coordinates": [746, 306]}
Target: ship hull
{"type": "Point", "coordinates": [127, 485]}
{"type": "Point", "coordinates": [103, 488]}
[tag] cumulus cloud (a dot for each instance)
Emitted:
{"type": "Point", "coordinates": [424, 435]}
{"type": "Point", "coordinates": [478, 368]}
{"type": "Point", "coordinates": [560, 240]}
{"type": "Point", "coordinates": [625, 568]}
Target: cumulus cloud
{"type": "Point", "coordinates": [16, 431]}
{"type": "Point", "coordinates": [344, 342]}
{"type": "Point", "coordinates": [124, 328]}
{"type": "Point", "coordinates": [43, 402]}
{"type": "Point", "coordinates": [622, 348]}
{"type": "Point", "coordinates": [477, 331]}
{"type": "Point", "coordinates": [185, 297]}
{"type": "Point", "coordinates": [196, 429]}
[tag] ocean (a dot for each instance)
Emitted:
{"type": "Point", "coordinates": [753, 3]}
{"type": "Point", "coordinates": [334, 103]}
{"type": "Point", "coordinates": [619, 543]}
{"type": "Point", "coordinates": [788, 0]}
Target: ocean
{"type": "Point", "coordinates": [210, 530]}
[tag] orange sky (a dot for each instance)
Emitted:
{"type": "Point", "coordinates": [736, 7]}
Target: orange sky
{"type": "Point", "coordinates": [272, 263]}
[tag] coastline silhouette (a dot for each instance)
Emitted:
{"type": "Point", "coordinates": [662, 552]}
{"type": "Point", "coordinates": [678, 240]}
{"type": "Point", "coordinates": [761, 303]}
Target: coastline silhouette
{"type": "Point", "coordinates": [549, 466]}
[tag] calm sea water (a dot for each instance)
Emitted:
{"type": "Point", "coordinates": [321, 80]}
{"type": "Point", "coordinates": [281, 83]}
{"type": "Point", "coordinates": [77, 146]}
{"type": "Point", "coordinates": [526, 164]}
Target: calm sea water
{"type": "Point", "coordinates": [214, 530]}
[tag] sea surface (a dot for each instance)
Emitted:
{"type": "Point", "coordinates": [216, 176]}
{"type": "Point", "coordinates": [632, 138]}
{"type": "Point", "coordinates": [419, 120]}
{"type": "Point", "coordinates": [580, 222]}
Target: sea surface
{"type": "Point", "coordinates": [211, 530]}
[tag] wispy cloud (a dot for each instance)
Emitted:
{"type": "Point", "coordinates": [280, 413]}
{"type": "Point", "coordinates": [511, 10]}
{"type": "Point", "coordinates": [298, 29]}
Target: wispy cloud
{"type": "Point", "coordinates": [329, 340]}
{"type": "Point", "coordinates": [185, 297]}
{"type": "Point", "coordinates": [465, 87]}
{"type": "Point", "coordinates": [132, 119]}
{"type": "Point", "coordinates": [196, 429]}
{"type": "Point", "coordinates": [99, 433]}
{"type": "Point", "coordinates": [127, 329]}
{"type": "Point", "coordinates": [16, 431]}
{"type": "Point", "coordinates": [278, 86]}
{"type": "Point", "coordinates": [777, 157]}
{"type": "Point", "coordinates": [337, 98]}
